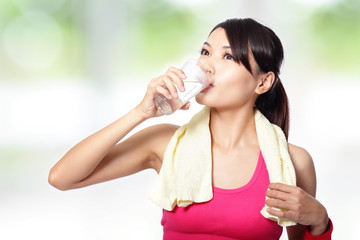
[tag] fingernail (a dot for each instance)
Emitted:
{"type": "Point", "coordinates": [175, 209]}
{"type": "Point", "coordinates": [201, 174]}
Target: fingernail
{"type": "Point", "coordinates": [175, 95]}
{"type": "Point", "coordinates": [183, 75]}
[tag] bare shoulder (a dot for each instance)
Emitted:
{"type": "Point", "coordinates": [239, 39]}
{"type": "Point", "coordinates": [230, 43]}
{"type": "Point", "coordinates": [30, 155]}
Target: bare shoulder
{"type": "Point", "coordinates": [304, 168]}
{"type": "Point", "coordinates": [300, 156]}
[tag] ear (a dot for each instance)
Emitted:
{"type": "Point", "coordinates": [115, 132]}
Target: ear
{"type": "Point", "coordinates": [265, 82]}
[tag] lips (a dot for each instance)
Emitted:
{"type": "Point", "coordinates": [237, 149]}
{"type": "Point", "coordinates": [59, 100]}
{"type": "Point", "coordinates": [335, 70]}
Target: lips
{"type": "Point", "coordinates": [208, 87]}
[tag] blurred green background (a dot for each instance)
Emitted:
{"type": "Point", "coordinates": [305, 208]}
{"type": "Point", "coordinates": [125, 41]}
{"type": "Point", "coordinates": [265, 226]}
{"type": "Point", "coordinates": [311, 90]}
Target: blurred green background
{"type": "Point", "coordinates": [68, 68]}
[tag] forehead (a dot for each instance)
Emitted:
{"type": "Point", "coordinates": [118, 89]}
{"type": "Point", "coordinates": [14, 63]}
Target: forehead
{"type": "Point", "coordinates": [218, 38]}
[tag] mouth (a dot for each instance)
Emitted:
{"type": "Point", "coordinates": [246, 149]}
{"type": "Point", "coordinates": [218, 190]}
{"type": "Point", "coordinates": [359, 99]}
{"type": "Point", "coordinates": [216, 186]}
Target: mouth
{"type": "Point", "coordinates": [208, 87]}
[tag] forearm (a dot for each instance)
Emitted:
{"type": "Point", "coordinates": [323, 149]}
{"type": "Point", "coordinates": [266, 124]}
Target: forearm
{"type": "Point", "coordinates": [81, 160]}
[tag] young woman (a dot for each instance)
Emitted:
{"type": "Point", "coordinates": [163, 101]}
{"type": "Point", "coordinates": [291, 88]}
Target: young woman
{"type": "Point", "coordinates": [244, 59]}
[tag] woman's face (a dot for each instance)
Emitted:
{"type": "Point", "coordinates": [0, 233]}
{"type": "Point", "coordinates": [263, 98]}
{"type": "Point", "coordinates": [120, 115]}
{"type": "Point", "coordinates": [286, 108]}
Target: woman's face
{"type": "Point", "coordinates": [232, 85]}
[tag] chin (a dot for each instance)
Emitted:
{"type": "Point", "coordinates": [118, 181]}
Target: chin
{"type": "Point", "coordinates": [203, 99]}
{"type": "Point", "coordinates": [200, 98]}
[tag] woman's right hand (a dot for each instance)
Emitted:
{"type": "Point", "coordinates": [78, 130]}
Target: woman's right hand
{"type": "Point", "coordinates": [165, 85]}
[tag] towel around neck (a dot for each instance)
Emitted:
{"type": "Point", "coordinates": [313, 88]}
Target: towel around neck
{"type": "Point", "coordinates": [186, 173]}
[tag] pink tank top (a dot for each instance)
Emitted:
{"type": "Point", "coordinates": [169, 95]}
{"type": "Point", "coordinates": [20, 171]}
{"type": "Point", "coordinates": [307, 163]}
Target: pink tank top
{"type": "Point", "coordinates": [231, 214]}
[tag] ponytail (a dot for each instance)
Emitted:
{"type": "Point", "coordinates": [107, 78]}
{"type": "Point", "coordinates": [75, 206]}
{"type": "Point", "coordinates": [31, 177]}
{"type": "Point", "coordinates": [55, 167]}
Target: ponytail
{"type": "Point", "coordinates": [275, 107]}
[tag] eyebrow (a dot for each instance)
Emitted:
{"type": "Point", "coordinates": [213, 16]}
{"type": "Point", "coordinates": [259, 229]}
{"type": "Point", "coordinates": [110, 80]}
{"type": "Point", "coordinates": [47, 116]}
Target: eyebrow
{"type": "Point", "coordinates": [208, 44]}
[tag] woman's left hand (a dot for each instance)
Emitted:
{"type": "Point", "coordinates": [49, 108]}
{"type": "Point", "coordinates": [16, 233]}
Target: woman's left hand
{"type": "Point", "coordinates": [299, 207]}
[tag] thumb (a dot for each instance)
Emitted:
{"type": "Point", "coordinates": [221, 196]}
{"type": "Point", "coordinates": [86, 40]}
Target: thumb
{"type": "Point", "coordinates": [186, 106]}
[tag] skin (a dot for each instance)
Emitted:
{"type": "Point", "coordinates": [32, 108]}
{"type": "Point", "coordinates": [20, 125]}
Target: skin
{"type": "Point", "coordinates": [103, 156]}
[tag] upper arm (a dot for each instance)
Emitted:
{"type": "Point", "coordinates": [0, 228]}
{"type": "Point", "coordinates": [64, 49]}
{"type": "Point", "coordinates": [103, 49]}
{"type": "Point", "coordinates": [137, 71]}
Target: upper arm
{"type": "Point", "coordinates": [305, 179]}
{"type": "Point", "coordinates": [140, 151]}
{"type": "Point", "coordinates": [304, 169]}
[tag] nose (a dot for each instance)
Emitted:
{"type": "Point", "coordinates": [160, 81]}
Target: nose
{"type": "Point", "coordinates": [207, 66]}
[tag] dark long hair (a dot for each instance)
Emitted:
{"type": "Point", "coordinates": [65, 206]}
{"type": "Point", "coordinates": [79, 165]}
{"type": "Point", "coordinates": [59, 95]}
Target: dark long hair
{"type": "Point", "coordinates": [246, 37]}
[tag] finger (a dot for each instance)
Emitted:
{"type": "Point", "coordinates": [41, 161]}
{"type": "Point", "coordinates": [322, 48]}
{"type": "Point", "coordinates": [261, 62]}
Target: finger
{"type": "Point", "coordinates": [177, 80]}
{"type": "Point", "coordinates": [291, 215]}
{"type": "Point", "coordinates": [276, 194]}
{"type": "Point", "coordinates": [178, 71]}
{"type": "Point", "coordinates": [186, 106]}
{"type": "Point", "coordinates": [279, 213]}
{"type": "Point", "coordinates": [276, 203]}
{"type": "Point", "coordinates": [164, 91]}
{"type": "Point", "coordinates": [282, 187]}
{"type": "Point", "coordinates": [170, 85]}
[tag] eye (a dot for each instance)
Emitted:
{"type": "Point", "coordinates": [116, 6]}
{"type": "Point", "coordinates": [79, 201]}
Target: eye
{"type": "Point", "coordinates": [203, 51]}
{"type": "Point", "coordinates": [228, 56]}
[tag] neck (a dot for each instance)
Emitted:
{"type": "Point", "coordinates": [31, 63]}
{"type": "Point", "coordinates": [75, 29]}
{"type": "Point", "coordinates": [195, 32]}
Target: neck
{"type": "Point", "coordinates": [233, 128]}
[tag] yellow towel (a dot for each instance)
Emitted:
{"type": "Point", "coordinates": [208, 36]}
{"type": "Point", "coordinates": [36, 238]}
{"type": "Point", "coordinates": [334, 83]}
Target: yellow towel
{"type": "Point", "coordinates": [186, 173]}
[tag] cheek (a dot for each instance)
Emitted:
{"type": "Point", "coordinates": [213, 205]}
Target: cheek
{"type": "Point", "coordinates": [237, 84]}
